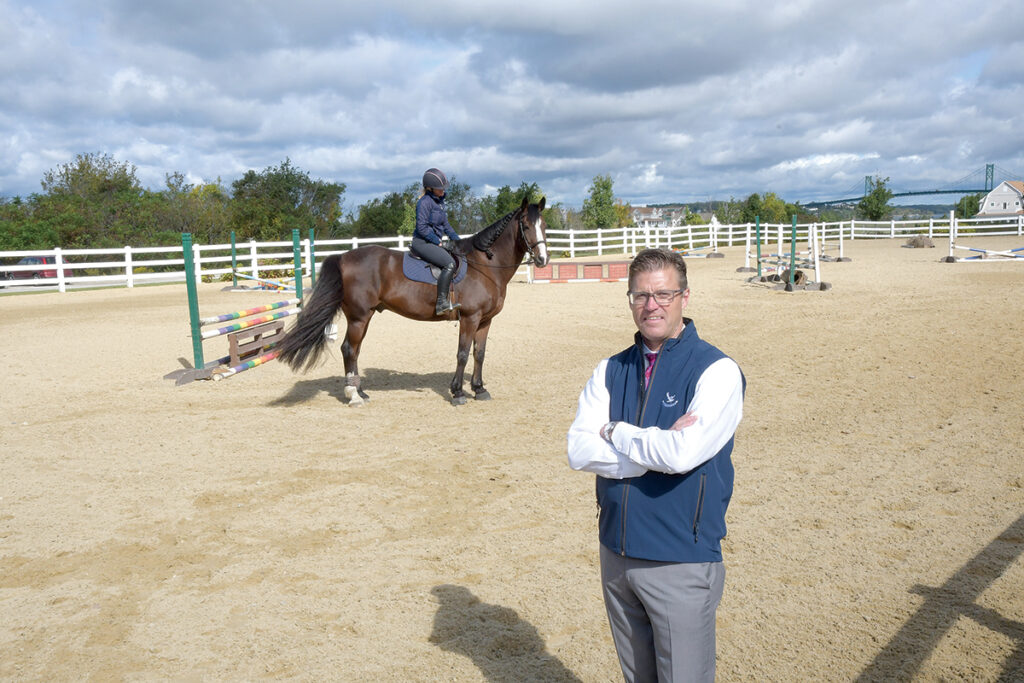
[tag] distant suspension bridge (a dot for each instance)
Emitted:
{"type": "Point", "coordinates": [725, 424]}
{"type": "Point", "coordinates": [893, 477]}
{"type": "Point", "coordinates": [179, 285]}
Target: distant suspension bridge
{"type": "Point", "coordinates": [991, 175]}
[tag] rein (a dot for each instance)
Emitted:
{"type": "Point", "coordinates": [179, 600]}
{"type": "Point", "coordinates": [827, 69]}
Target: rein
{"type": "Point", "coordinates": [529, 257]}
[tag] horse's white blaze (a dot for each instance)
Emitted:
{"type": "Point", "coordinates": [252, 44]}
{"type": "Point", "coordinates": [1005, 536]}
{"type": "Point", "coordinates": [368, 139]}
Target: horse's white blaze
{"type": "Point", "coordinates": [541, 237]}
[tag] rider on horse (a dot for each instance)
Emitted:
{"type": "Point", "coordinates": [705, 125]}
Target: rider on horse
{"type": "Point", "coordinates": [431, 227]}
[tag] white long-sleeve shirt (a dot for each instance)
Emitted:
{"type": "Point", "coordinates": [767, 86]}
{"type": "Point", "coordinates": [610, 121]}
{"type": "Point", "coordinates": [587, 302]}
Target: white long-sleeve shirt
{"type": "Point", "coordinates": [717, 403]}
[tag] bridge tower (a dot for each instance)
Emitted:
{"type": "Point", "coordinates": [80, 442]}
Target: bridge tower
{"type": "Point", "coordinates": [990, 172]}
{"type": "Point", "coordinates": [867, 185]}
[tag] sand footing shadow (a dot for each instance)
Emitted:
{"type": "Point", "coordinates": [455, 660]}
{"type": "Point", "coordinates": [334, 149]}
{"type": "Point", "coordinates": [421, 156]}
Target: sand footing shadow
{"type": "Point", "coordinates": [903, 656]}
{"type": "Point", "coordinates": [495, 638]}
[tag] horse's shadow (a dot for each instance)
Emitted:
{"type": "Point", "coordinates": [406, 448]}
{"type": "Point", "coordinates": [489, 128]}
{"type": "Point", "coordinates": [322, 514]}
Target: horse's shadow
{"type": "Point", "coordinates": [495, 638]}
{"type": "Point", "coordinates": [373, 380]}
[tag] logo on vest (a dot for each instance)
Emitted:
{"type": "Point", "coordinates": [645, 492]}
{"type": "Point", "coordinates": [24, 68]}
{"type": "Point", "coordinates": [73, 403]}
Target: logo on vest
{"type": "Point", "coordinates": [669, 401]}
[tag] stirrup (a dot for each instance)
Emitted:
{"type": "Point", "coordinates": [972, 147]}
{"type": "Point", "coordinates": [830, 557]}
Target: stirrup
{"type": "Point", "coordinates": [445, 307]}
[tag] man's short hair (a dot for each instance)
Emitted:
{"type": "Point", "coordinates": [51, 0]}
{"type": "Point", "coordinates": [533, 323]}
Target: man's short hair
{"type": "Point", "coordinates": [650, 260]}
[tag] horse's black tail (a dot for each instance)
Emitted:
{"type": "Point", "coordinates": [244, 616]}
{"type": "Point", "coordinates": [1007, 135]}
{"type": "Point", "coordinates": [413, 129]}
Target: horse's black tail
{"type": "Point", "coordinates": [305, 342]}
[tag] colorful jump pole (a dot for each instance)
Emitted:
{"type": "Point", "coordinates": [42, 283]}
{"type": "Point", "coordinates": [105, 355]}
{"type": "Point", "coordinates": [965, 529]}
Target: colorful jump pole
{"type": "Point", "coordinates": [227, 329]}
{"type": "Point", "coordinates": [242, 367]}
{"type": "Point", "coordinates": [247, 312]}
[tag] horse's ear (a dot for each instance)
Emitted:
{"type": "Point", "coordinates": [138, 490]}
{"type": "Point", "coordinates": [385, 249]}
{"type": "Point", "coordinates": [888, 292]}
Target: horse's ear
{"type": "Point", "coordinates": [540, 207]}
{"type": "Point", "coordinates": [526, 203]}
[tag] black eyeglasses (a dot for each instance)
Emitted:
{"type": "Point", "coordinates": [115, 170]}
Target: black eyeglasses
{"type": "Point", "coordinates": [662, 298]}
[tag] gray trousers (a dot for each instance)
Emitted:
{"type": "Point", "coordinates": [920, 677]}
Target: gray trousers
{"type": "Point", "coordinates": [431, 253]}
{"type": "Point", "coordinates": [662, 616]}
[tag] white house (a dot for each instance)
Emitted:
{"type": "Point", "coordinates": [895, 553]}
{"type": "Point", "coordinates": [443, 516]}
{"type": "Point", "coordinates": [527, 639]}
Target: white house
{"type": "Point", "coordinates": [658, 217]}
{"type": "Point", "coordinates": [1007, 199]}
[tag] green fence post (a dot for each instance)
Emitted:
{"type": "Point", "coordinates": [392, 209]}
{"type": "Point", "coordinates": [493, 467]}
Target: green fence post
{"type": "Point", "coordinates": [312, 257]}
{"type": "Point", "coordinates": [234, 262]}
{"type": "Point", "coordinates": [757, 228]}
{"type": "Point", "coordinates": [792, 255]}
{"type": "Point", "coordinates": [297, 258]}
{"type": "Point", "coordinates": [193, 301]}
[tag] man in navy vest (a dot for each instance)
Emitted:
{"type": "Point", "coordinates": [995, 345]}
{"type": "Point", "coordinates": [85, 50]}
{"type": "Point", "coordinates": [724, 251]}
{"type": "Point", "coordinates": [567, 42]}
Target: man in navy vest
{"type": "Point", "coordinates": [655, 423]}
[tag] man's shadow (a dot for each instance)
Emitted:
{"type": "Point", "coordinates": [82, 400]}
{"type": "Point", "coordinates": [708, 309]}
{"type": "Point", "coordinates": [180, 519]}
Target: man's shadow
{"type": "Point", "coordinates": [374, 381]}
{"type": "Point", "coordinates": [500, 643]}
{"type": "Point", "coordinates": [905, 654]}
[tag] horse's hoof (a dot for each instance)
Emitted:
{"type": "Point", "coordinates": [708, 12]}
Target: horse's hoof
{"type": "Point", "coordinates": [482, 395]}
{"type": "Point", "coordinates": [458, 400]}
{"type": "Point", "coordinates": [352, 395]}
{"type": "Point", "coordinates": [363, 395]}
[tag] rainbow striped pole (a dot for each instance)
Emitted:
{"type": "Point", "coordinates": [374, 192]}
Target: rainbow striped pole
{"type": "Point", "coordinates": [242, 367]}
{"type": "Point", "coordinates": [248, 323]}
{"type": "Point", "coordinates": [247, 312]}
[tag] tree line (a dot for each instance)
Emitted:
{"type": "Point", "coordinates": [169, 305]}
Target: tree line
{"type": "Point", "coordinates": [96, 201]}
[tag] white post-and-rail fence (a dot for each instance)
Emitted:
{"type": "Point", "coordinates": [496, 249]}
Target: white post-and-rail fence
{"type": "Point", "coordinates": [130, 266]}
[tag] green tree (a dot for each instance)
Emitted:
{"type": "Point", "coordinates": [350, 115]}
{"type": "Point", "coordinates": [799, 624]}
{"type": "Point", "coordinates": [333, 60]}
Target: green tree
{"type": "Point", "coordinates": [693, 219]}
{"type": "Point", "coordinates": [270, 204]}
{"type": "Point", "coordinates": [554, 216]}
{"type": "Point", "coordinates": [461, 206]}
{"type": "Point", "coordinates": [875, 205]}
{"type": "Point", "coordinates": [730, 212]}
{"type": "Point", "coordinates": [94, 201]}
{"type": "Point", "coordinates": [969, 205]}
{"type": "Point", "coordinates": [770, 208]}
{"type": "Point", "coordinates": [599, 207]}
{"type": "Point", "coordinates": [507, 200]}
{"type": "Point", "coordinates": [202, 210]}
{"type": "Point", "coordinates": [387, 216]}
{"type": "Point", "coordinates": [19, 228]}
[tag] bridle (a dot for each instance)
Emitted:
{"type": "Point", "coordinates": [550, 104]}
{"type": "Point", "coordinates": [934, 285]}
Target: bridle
{"type": "Point", "coordinates": [530, 258]}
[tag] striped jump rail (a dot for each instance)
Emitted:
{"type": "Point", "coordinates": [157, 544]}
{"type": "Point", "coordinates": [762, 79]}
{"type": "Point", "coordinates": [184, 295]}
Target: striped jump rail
{"type": "Point", "coordinates": [228, 329]}
{"type": "Point", "coordinates": [253, 340]}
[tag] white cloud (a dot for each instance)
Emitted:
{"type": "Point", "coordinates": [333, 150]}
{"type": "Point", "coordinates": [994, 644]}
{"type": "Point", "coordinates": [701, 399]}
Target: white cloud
{"type": "Point", "coordinates": [676, 100]}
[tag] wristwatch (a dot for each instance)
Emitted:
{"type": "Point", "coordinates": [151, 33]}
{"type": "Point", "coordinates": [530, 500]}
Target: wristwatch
{"type": "Point", "coordinates": [606, 431]}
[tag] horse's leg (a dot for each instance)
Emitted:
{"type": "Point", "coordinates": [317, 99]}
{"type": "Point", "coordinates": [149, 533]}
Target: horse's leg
{"type": "Point", "coordinates": [479, 348]}
{"type": "Point", "coordinates": [467, 329]}
{"type": "Point", "coordinates": [350, 353]}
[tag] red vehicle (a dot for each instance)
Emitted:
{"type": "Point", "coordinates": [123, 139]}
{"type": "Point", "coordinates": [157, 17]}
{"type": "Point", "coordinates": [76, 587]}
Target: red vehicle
{"type": "Point", "coordinates": [34, 274]}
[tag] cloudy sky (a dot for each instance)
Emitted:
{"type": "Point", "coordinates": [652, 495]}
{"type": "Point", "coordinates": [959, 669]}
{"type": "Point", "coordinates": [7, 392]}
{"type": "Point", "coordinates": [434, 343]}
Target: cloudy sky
{"type": "Point", "coordinates": [676, 100]}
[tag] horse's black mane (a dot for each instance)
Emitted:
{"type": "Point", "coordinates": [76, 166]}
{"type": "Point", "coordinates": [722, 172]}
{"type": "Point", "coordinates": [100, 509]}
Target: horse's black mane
{"type": "Point", "coordinates": [486, 237]}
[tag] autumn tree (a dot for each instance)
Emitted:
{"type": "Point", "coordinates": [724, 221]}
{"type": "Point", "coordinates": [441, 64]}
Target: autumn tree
{"type": "Point", "coordinates": [623, 213]}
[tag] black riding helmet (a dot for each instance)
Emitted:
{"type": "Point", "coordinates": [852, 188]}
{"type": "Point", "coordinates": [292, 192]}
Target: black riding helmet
{"type": "Point", "coordinates": [434, 179]}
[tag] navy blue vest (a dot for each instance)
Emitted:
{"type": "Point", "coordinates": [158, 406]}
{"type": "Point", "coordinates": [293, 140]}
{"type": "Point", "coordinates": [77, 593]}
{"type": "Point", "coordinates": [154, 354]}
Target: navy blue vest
{"type": "Point", "coordinates": [664, 517]}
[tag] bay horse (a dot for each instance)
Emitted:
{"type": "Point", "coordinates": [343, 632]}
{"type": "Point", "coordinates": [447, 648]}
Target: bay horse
{"type": "Point", "coordinates": [369, 279]}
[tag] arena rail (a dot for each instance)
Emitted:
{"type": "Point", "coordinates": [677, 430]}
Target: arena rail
{"type": "Point", "coordinates": [132, 266]}
{"type": "Point", "coordinates": [979, 254]}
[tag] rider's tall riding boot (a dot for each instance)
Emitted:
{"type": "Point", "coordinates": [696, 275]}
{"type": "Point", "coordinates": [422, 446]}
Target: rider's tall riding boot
{"type": "Point", "coordinates": [444, 281]}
